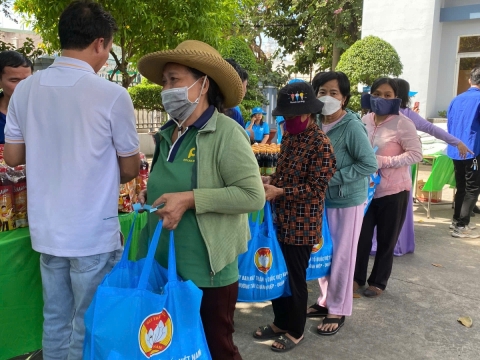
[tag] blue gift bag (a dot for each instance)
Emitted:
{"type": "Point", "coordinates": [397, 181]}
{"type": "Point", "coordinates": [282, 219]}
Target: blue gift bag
{"type": "Point", "coordinates": [141, 311]}
{"type": "Point", "coordinates": [262, 270]}
{"type": "Point", "coordinates": [321, 258]}
{"type": "Point", "coordinates": [373, 182]}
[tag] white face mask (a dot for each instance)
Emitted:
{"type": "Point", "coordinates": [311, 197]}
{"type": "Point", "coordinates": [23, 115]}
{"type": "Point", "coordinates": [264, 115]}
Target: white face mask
{"type": "Point", "coordinates": [330, 105]}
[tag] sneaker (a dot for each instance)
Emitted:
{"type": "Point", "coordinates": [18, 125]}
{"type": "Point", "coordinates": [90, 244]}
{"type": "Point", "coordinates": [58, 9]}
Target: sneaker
{"type": "Point", "coordinates": [454, 224]}
{"type": "Point", "coordinates": [464, 232]}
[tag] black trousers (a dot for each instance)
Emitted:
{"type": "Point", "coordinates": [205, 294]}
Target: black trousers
{"type": "Point", "coordinates": [388, 215]}
{"type": "Point", "coordinates": [290, 311]}
{"type": "Point", "coordinates": [468, 189]}
{"type": "Point", "coordinates": [217, 309]}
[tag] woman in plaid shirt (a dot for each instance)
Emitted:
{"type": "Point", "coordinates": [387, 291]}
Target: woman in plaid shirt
{"type": "Point", "coordinates": [305, 166]}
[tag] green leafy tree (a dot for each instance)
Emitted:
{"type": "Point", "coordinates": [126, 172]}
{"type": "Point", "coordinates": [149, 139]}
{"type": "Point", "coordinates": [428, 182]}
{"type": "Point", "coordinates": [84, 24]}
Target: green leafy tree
{"type": "Point", "coordinates": [369, 59]}
{"type": "Point", "coordinates": [316, 31]}
{"type": "Point", "coordinates": [146, 95]}
{"type": "Point", "coordinates": [28, 49]}
{"type": "Point", "coordinates": [144, 25]}
{"type": "Point", "coordinates": [366, 60]}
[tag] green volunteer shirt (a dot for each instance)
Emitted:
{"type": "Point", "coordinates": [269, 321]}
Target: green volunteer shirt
{"type": "Point", "coordinates": [175, 171]}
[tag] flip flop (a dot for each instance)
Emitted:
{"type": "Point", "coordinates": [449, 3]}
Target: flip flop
{"type": "Point", "coordinates": [319, 311]}
{"type": "Point", "coordinates": [337, 321]}
{"type": "Point", "coordinates": [267, 333]}
{"type": "Point", "coordinates": [286, 342]}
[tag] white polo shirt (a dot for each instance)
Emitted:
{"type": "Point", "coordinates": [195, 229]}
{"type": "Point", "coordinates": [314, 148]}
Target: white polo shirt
{"type": "Point", "coordinates": [74, 125]}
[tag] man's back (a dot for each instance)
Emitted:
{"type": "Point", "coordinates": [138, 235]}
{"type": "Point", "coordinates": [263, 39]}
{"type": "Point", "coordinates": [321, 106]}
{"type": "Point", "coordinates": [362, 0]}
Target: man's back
{"type": "Point", "coordinates": [464, 122]}
{"type": "Point", "coordinates": [74, 125]}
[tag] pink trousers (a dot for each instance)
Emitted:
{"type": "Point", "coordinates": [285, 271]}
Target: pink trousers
{"type": "Point", "coordinates": [336, 290]}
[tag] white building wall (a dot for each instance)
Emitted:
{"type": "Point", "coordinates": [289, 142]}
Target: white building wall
{"type": "Point", "coordinates": [412, 27]}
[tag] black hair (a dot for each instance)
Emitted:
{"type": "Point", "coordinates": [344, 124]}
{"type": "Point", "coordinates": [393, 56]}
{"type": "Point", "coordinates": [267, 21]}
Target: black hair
{"type": "Point", "coordinates": [82, 22]}
{"type": "Point", "coordinates": [13, 59]}
{"type": "Point", "coordinates": [475, 76]}
{"type": "Point", "coordinates": [240, 70]}
{"type": "Point", "coordinates": [402, 92]}
{"type": "Point", "coordinates": [342, 79]}
{"type": "Point", "coordinates": [385, 80]}
{"type": "Point", "coordinates": [214, 95]}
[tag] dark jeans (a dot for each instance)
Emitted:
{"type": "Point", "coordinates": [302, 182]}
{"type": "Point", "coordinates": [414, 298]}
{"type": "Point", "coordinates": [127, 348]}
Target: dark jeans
{"type": "Point", "coordinates": [388, 215]}
{"type": "Point", "coordinates": [217, 309]}
{"type": "Point", "coordinates": [468, 188]}
{"type": "Point", "coordinates": [290, 311]}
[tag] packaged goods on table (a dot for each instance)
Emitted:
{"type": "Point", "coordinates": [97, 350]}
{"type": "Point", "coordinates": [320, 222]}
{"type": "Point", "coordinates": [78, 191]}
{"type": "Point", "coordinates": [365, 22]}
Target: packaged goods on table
{"type": "Point", "coordinates": [143, 174]}
{"type": "Point", "coordinates": [129, 191]}
{"type": "Point", "coordinates": [1, 155]}
{"type": "Point", "coordinates": [19, 179]}
{"type": "Point", "coordinates": [6, 201]}
{"type": "Point", "coordinates": [13, 198]}
{"type": "Point", "coordinates": [267, 157]}
{"type": "Point", "coordinates": [127, 197]}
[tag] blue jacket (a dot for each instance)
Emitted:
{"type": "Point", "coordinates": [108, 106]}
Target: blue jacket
{"type": "Point", "coordinates": [464, 122]}
{"type": "Point", "coordinates": [355, 162]}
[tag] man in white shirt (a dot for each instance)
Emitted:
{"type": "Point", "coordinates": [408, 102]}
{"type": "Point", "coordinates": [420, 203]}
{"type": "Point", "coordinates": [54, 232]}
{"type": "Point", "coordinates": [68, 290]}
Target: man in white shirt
{"type": "Point", "coordinates": [76, 133]}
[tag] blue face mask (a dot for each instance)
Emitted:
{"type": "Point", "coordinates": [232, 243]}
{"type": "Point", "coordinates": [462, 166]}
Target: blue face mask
{"type": "Point", "coordinates": [381, 106]}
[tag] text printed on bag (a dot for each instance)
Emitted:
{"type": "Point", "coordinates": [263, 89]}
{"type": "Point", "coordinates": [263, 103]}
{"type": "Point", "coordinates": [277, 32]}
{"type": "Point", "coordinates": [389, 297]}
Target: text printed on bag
{"type": "Point", "coordinates": [321, 261]}
{"type": "Point", "coordinates": [193, 356]}
{"type": "Point", "coordinates": [245, 281]}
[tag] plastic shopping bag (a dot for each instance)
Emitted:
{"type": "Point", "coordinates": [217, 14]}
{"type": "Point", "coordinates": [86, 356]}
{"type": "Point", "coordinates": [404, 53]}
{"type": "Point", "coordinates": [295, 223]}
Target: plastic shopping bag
{"type": "Point", "coordinates": [263, 273]}
{"type": "Point", "coordinates": [374, 180]}
{"type": "Point", "coordinates": [321, 258]}
{"type": "Point", "coordinates": [141, 310]}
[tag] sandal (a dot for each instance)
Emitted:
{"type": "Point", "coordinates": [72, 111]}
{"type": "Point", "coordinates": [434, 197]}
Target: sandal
{"type": "Point", "coordinates": [286, 342]}
{"type": "Point", "coordinates": [267, 333]}
{"type": "Point", "coordinates": [338, 321]}
{"type": "Point", "coordinates": [319, 311]}
{"type": "Point", "coordinates": [372, 292]}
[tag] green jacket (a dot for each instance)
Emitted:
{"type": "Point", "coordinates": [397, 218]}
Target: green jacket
{"type": "Point", "coordinates": [355, 162]}
{"type": "Point", "coordinates": [228, 188]}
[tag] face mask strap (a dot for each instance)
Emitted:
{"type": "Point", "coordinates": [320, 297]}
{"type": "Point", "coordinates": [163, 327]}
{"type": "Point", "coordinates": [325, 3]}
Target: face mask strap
{"type": "Point", "coordinates": [180, 125]}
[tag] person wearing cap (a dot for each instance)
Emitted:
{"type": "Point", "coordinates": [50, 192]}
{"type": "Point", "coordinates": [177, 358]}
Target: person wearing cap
{"type": "Point", "coordinates": [206, 174]}
{"type": "Point", "coordinates": [258, 129]}
{"type": "Point", "coordinates": [345, 199]}
{"type": "Point", "coordinates": [305, 166]}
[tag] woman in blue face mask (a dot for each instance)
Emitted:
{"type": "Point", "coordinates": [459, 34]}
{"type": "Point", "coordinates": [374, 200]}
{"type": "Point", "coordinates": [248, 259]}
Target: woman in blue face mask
{"type": "Point", "coordinates": [398, 145]}
{"type": "Point", "coordinates": [345, 197]}
{"type": "Point", "coordinates": [258, 129]}
{"type": "Point", "coordinates": [206, 176]}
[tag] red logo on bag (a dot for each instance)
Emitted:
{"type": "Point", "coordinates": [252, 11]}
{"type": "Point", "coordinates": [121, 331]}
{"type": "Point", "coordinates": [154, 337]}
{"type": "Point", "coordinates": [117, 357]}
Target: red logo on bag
{"type": "Point", "coordinates": [155, 334]}
{"type": "Point", "coordinates": [318, 247]}
{"type": "Point", "coordinates": [263, 259]}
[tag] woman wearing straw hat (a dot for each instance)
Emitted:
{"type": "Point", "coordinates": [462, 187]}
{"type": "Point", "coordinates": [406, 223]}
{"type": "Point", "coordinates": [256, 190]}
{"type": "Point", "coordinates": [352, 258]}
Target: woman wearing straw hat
{"type": "Point", "coordinates": [258, 129]}
{"type": "Point", "coordinates": [305, 166]}
{"type": "Point", "coordinates": [206, 175]}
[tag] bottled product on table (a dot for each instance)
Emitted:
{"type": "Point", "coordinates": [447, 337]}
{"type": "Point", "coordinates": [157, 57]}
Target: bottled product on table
{"type": "Point", "coordinates": [142, 177]}
{"type": "Point", "coordinates": [6, 201]}
{"type": "Point", "coordinates": [267, 157]}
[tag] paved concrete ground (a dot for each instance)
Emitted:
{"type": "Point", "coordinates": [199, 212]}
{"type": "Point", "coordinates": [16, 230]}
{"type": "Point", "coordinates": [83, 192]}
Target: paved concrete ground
{"type": "Point", "coordinates": [415, 318]}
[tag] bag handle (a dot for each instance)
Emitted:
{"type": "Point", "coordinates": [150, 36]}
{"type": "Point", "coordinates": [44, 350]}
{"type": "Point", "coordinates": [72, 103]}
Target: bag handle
{"type": "Point", "coordinates": [172, 261]}
{"type": "Point", "coordinates": [256, 227]}
{"type": "Point", "coordinates": [128, 243]}
{"type": "Point", "coordinates": [147, 267]}
{"type": "Point", "coordinates": [268, 218]}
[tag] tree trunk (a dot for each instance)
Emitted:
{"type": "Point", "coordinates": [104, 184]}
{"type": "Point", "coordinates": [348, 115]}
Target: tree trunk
{"type": "Point", "coordinates": [335, 56]}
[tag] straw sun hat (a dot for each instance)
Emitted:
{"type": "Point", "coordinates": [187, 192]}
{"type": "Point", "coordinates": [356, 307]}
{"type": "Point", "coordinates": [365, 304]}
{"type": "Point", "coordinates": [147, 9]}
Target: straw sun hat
{"type": "Point", "coordinates": [200, 56]}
